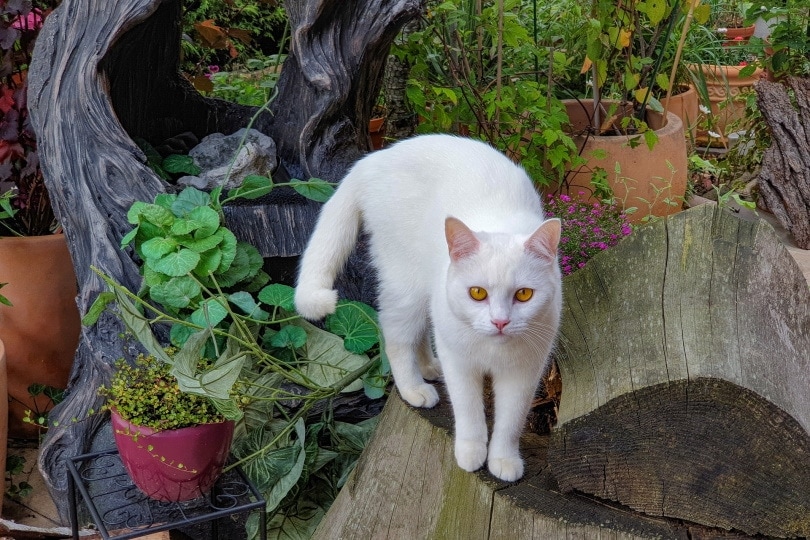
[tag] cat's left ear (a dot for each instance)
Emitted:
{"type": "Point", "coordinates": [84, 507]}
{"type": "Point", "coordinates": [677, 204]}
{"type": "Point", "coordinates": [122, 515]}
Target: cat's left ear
{"type": "Point", "coordinates": [543, 243]}
{"type": "Point", "coordinates": [461, 241]}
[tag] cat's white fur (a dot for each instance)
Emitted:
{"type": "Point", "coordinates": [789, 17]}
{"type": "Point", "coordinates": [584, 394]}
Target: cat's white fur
{"type": "Point", "coordinates": [446, 214]}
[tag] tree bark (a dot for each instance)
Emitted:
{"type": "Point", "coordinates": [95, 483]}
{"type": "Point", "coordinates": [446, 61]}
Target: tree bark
{"type": "Point", "coordinates": [683, 354]}
{"type": "Point", "coordinates": [332, 79]}
{"type": "Point", "coordinates": [784, 178]}
{"type": "Point", "coordinates": [105, 73]}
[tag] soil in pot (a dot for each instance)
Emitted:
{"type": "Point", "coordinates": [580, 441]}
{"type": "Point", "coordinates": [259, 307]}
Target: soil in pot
{"type": "Point", "coordinates": [173, 465]}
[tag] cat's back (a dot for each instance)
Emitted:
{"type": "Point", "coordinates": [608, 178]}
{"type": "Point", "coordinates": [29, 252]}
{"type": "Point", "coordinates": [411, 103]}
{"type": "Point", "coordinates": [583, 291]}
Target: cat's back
{"type": "Point", "coordinates": [430, 177]}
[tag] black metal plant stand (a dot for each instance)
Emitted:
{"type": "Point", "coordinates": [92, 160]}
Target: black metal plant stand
{"type": "Point", "coordinates": [120, 510]}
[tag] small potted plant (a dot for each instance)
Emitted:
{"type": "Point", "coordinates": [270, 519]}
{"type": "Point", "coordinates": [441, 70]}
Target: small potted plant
{"type": "Point", "coordinates": [172, 443]}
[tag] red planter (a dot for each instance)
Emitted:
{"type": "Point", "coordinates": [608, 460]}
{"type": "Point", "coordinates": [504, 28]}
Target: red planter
{"type": "Point", "coordinates": [173, 465]}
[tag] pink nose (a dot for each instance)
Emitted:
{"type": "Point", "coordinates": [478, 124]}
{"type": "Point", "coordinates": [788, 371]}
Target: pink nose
{"type": "Point", "coordinates": [500, 324]}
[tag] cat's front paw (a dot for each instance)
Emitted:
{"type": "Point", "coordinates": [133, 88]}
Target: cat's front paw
{"type": "Point", "coordinates": [423, 395]}
{"type": "Point", "coordinates": [507, 469]}
{"type": "Point", "coordinates": [471, 455]}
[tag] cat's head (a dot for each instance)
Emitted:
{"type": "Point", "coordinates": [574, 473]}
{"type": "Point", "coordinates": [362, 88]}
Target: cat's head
{"type": "Point", "coordinates": [499, 284]}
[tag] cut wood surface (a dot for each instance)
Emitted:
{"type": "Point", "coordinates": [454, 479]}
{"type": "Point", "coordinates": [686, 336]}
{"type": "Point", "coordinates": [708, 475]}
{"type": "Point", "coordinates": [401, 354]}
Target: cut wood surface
{"type": "Point", "coordinates": [684, 357]}
{"type": "Point", "coordinates": [784, 178]}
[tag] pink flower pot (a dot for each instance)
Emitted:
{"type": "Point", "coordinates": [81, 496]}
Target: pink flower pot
{"type": "Point", "coordinates": [173, 465]}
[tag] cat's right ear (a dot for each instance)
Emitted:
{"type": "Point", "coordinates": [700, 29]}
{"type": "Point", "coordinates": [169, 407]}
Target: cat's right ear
{"type": "Point", "coordinates": [545, 240]}
{"type": "Point", "coordinates": [461, 241]}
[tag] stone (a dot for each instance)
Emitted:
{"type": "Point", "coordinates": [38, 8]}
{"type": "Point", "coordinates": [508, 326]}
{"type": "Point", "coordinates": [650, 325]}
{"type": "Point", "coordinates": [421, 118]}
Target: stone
{"type": "Point", "coordinates": [215, 156]}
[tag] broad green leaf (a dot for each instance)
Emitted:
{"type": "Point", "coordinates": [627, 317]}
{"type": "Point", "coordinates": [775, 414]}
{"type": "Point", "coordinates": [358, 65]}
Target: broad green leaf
{"type": "Point", "coordinates": [180, 164]}
{"type": "Point", "coordinates": [134, 212]}
{"type": "Point", "coordinates": [165, 200]}
{"type": "Point", "coordinates": [129, 237]}
{"type": "Point", "coordinates": [246, 264]}
{"type": "Point", "coordinates": [96, 309]}
{"type": "Point", "coordinates": [189, 355]}
{"type": "Point", "coordinates": [286, 482]}
{"type": "Point", "coordinates": [210, 313]}
{"type": "Point", "coordinates": [203, 244]}
{"type": "Point", "coordinates": [175, 264]}
{"type": "Point", "coordinates": [209, 262]}
{"type": "Point", "coordinates": [654, 105]}
{"type": "Point", "coordinates": [228, 248]}
{"type": "Point", "coordinates": [202, 221]}
{"type": "Point", "coordinates": [650, 138]}
{"type": "Point", "coordinates": [375, 382]}
{"type": "Point", "coordinates": [329, 361]}
{"type": "Point", "coordinates": [356, 322]}
{"type": "Point", "coordinates": [137, 323]}
{"type": "Point", "coordinates": [289, 336]}
{"type": "Point", "coordinates": [656, 10]}
{"type": "Point", "coordinates": [245, 301]}
{"type": "Point", "coordinates": [177, 293]}
{"type": "Point", "coordinates": [702, 13]}
{"type": "Point", "coordinates": [157, 215]}
{"type": "Point", "coordinates": [189, 199]}
{"type": "Point", "coordinates": [253, 187]}
{"type": "Point", "coordinates": [279, 295]}
{"type": "Point", "coordinates": [662, 80]}
{"type": "Point", "coordinates": [315, 189]}
{"type": "Point", "coordinates": [157, 247]}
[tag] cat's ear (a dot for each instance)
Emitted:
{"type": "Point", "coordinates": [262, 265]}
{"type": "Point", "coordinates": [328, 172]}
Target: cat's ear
{"type": "Point", "coordinates": [543, 243]}
{"type": "Point", "coordinates": [461, 241]}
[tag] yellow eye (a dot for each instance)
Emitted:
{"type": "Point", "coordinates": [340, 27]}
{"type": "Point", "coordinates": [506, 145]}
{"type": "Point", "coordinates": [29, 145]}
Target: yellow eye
{"type": "Point", "coordinates": [524, 295]}
{"type": "Point", "coordinates": [478, 293]}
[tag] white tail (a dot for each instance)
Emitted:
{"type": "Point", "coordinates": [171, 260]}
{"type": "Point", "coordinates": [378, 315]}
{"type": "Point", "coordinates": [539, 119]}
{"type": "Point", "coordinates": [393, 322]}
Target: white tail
{"type": "Point", "coordinates": [329, 247]}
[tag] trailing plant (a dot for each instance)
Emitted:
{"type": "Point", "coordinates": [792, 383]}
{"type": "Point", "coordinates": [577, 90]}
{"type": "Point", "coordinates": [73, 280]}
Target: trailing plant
{"type": "Point", "coordinates": [587, 228]}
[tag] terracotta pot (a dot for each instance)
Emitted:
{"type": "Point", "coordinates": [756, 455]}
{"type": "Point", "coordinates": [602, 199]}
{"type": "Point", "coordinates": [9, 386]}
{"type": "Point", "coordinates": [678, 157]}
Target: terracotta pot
{"type": "Point", "coordinates": [647, 177]}
{"type": "Point", "coordinates": [176, 464]}
{"type": "Point", "coordinates": [723, 86]}
{"type": "Point", "coordinates": [686, 106]}
{"type": "Point", "coordinates": [3, 414]}
{"type": "Point", "coordinates": [41, 329]}
{"type": "Point", "coordinates": [376, 129]}
{"type": "Point", "coordinates": [737, 35]}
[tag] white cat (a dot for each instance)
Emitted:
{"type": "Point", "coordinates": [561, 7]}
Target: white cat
{"type": "Point", "coordinates": [458, 237]}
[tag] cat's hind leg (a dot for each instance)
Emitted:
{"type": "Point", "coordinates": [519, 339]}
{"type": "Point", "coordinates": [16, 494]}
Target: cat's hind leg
{"type": "Point", "coordinates": [404, 325]}
{"type": "Point", "coordinates": [428, 363]}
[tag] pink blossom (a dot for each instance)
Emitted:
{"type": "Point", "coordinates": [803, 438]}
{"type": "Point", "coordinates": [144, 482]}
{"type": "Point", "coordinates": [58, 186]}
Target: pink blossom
{"type": "Point", "coordinates": [32, 21]}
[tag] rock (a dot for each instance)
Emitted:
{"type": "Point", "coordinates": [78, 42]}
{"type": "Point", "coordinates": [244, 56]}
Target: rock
{"type": "Point", "coordinates": [215, 153]}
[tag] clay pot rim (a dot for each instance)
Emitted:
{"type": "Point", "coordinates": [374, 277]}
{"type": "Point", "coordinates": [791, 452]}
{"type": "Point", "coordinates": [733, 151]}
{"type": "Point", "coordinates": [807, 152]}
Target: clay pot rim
{"type": "Point", "coordinates": [672, 124]}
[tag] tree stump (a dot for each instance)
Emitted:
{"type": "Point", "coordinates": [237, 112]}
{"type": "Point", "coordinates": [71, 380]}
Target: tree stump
{"type": "Point", "coordinates": [784, 178]}
{"type": "Point", "coordinates": [684, 353]}
{"type": "Point", "coordinates": [105, 73]}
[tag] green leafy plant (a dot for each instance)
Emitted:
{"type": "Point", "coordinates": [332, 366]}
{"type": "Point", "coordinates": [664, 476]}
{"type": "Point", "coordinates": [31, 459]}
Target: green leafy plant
{"type": "Point", "coordinates": [148, 394]}
{"type": "Point", "coordinates": [476, 70]}
{"type": "Point", "coordinates": [241, 348]}
{"type": "Point", "coordinates": [15, 465]}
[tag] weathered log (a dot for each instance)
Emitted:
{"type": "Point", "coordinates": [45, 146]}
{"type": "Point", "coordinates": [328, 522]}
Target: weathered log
{"type": "Point", "coordinates": [684, 355]}
{"type": "Point", "coordinates": [332, 78]}
{"type": "Point", "coordinates": [784, 178]}
{"type": "Point", "coordinates": [684, 359]}
{"type": "Point", "coordinates": [105, 73]}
